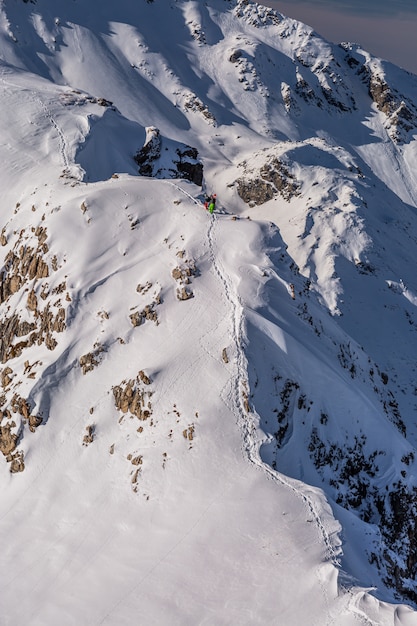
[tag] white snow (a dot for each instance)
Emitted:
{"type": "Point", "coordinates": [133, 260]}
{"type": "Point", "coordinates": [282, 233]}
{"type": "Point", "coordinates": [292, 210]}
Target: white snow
{"type": "Point", "coordinates": [195, 515]}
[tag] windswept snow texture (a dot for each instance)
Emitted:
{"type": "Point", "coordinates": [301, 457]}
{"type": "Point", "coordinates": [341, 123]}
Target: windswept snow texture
{"type": "Point", "coordinates": [204, 419]}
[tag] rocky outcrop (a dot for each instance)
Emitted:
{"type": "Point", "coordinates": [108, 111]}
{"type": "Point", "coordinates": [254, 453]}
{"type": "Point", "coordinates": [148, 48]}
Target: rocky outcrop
{"type": "Point", "coordinates": [188, 166]}
{"type": "Point", "coordinates": [162, 158]}
{"type": "Point", "coordinates": [89, 435]}
{"type": "Point", "coordinates": [401, 116]}
{"type": "Point", "coordinates": [192, 103]}
{"type": "Point", "coordinates": [256, 14]}
{"type": "Point", "coordinates": [183, 274]}
{"type": "Point", "coordinates": [8, 439]}
{"type": "Point", "coordinates": [400, 111]}
{"type": "Point", "coordinates": [25, 274]}
{"type": "Point", "coordinates": [131, 399]}
{"type": "Point", "coordinates": [273, 178]}
{"type": "Point", "coordinates": [150, 152]}
{"type": "Point", "coordinates": [42, 330]}
{"type": "Point", "coordinates": [24, 264]}
{"type": "Point", "coordinates": [12, 421]}
{"type": "Point", "coordinates": [90, 360]}
{"type": "Point", "coordinates": [148, 313]}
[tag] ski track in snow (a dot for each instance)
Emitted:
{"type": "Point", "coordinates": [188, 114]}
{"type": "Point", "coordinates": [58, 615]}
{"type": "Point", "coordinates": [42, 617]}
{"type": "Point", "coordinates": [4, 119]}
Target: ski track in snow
{"type": "Point", "coordinates": [246, 421]}
{"type": "Point", "coordinates": [63, 147]}
{"type": "Point", "coordinates": [239, 385]}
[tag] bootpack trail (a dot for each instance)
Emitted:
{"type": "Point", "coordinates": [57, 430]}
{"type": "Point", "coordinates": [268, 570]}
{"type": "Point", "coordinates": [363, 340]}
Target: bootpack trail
{"type": "Point", "coordinates": [247, 418]}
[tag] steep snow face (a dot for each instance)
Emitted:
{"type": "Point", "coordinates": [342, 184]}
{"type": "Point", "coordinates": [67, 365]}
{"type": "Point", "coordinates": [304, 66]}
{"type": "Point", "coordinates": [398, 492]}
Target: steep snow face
{"type": "Point", "coordinates": [193, 408]}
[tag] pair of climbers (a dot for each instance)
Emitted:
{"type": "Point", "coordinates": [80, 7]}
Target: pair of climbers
{"type": "Point", "coordinates": [210, 203]}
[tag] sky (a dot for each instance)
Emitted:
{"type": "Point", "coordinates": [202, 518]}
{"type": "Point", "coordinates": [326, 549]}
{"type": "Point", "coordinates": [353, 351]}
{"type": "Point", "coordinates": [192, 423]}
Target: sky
{"type": "Point", "coordinates": [384, 28]}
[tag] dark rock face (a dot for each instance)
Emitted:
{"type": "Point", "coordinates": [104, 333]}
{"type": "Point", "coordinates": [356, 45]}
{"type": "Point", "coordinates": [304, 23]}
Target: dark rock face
{"type": "Point", "coordinates": [235, 56]}
{"type": "Point", "coordinates": [150, 152]}
{"type": "Point", "coordinates": [162, 158]}
{"type": "Point", "coordinates": [188, 166]}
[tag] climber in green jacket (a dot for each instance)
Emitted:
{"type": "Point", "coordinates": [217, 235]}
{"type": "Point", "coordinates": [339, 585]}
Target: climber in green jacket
{"type": "Point", "coordinates": [212, 203]}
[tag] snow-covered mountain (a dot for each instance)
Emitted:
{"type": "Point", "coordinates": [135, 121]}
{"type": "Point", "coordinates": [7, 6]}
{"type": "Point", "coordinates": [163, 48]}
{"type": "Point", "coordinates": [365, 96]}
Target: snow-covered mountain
{"type": "Point", "coordinates": [204, 420]}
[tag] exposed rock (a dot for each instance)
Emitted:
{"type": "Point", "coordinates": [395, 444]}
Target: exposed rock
{"type": "Point", "coordinates": [135, 460]}
{"type": "Point", "coordinates": [89, 436]}
{"type": "Point", "coordinates": [287, 98]}
{"type": "Point", "coordinates": [188, 433]}
{"type": "Point", "coordinates": [32, 301]}
{"type": "Point", "coordinates": [148, 313]}
{"type": "Point", "coordinates": [17, 463]}
{"type": "Point", "coordinates": [184, 294]}
{"type": "Point", "coordinates": [22, 407]}
{"type": "Point", "coordinates": [305, 91]}
{"type": "Point", "coordinates": [271, 179]}
{"type": "Point", "coordinates": [235, 56]}
{"type": "Point", "coordinates": [176, 273]}
{"type": "Point", "coordinates": [393, 507]}
{"type": "Point", "coordinates": [150, 152]}
{"type": "Point", "coordinates": [8, 439]}
{"type": "Point", "coordinates": [136, 318]}
{"type": "Point", "coordinates": [23, 264]}
{"type": "Point", "coordinates": [144, 288]}
{"type": "Point", "coordinates": [163, 158]}
{"type": "Point", "coordinates": [188, 165]}
{"type": "Point", "coordinates": [135, 479]}
{"type": "Point", "coordinates": [34, 422]}
{"type": "Point", "coordinates": [401, 113]}
{"type": "Point", "coordinates": [193, 103]}
{"type": "Point", "coordinates": [130, 398]}
{"type": "Point", "coordinates": [197, 32]}
{"type": "Point", "coordinates": [257, 15]}
{"type": "Point", "coordinates": [183, 276]}
{"type": "Point", "coordinates": [10, 328]}
{"type": "Point", "coordinates": [89, 361]}
{"type": "Point", "coordinates": [144, 378]}
{"type": "Point", "coordinates": [6, 377]}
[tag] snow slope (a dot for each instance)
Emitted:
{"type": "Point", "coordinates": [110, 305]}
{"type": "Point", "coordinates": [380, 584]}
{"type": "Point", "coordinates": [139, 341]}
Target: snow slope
{"type": "Point", "coordinates": [204, 420]}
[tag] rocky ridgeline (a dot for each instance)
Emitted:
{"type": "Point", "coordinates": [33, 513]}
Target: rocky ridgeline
{"type": "Point", "coordinates": [193, 103]}
{"type": "Point", "coordinates": [26, 268]}
{"type": "Point", "coordinates": [23, 265]}
{"type": "Point", "coordinates": [400, 111]}
{"type": "Point", "coordinates": [257, 15]}
{"type": "Point", "coordinates": [260, 184]}
{"type": "Point", "coordinates": [401, 114]}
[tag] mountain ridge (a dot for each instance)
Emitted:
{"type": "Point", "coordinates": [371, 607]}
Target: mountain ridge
{"type": "Point", "coordinates": [205, 376]}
